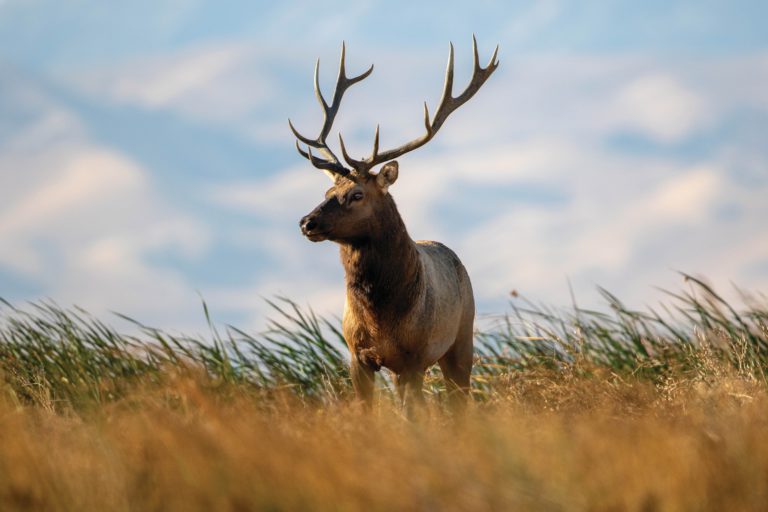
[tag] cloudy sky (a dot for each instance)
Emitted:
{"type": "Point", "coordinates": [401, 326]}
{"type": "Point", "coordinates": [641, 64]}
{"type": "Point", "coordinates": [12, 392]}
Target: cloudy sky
{"type": "Point", "coordinates": [145, 158]}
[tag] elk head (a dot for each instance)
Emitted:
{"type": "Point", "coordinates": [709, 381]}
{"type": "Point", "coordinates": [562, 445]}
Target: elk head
{"type": "Point", "coordinates": [358, 196]}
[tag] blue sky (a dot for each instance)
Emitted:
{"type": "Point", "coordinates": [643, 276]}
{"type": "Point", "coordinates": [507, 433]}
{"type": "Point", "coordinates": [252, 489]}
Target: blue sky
{"type": "Point", "coordinates": [145, 158]}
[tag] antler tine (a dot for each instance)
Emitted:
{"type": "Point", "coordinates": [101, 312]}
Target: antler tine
{"type": "Point", "coordinates": [329, 115]}
{"type": "Point", "coordinates": [493, 63]}
{"type": "Point", "coordinates": [361, 166]}
{"type": "Point", "coordinates": [320, 163]}
{"type": "Point", "coordinates": [342, 70]}
{"type": "Point", "coordinates": [350, 161]}
{"type": "Point", "coordinates": [448, 103]}
{"type": "Point", "coordinates": [305, 140]}
{"type": "Point", "coordinates": [447, 88]}
{"type": "Point", "coordinates": [479, 75]}
{"type": "Point", "coordinates": [318, 93]}
{"type": "Point", "coordinates": [301, 151]}
{"type": "Point", "coordinates": [326, 164]}
{"type": "Point", "coordinates": [375, 151]}
{"type": "Point", "coordinates": [342, 84]}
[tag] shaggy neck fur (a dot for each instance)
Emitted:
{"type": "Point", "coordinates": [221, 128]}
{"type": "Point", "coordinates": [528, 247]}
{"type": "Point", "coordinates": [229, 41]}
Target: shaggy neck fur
{"type": "Point", "coordinates": [383, 273]}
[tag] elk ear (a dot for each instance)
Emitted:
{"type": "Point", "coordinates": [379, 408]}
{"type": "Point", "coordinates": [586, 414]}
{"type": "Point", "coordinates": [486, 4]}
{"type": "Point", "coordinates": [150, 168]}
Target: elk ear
{"type": "Point", "coordinates": [387, 175]}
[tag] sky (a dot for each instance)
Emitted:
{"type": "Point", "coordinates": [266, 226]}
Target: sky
{"type": "Point", "coordinates": [146, 162]}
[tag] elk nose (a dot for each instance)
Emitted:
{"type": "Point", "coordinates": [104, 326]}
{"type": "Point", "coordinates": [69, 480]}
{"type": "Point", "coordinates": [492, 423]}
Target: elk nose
{"type": "Point", "coordinates": [307, 224]}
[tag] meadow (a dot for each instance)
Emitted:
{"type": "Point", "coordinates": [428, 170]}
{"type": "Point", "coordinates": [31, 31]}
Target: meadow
{"type": "Point", "coordinates": [661, 409]}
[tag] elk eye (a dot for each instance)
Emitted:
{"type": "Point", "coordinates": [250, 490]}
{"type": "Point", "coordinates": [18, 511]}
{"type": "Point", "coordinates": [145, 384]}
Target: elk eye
{"type": "Point", "coordinates": [356, 196]}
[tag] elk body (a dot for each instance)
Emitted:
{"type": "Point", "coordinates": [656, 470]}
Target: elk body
{"type": "Point", "coordinates": [409, 304]}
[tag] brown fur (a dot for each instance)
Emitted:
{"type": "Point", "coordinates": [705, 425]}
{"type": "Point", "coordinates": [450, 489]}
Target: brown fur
{"type": "Point", "coordinates": [408, 305]}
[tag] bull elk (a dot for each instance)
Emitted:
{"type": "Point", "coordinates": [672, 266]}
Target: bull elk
{"type": "Point", "coordinates": [409, 303]}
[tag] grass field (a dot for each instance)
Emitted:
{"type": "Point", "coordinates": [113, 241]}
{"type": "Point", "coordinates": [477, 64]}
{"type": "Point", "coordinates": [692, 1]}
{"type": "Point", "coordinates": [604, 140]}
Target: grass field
{"type": "Point", "coordinates": [572, 410]}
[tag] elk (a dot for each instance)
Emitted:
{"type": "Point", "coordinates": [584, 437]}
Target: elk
{"type": "Point", "coordinates": [409, 303]}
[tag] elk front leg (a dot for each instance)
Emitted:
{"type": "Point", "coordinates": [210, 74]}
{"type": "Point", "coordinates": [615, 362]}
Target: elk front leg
{"type": "Point", "coordinates": [362, 382]}
{"type": "Point", "coordinates": [410, 389]}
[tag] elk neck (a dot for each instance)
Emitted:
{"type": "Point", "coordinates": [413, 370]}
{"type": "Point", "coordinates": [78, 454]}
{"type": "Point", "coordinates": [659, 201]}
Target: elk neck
{"type": "Point", "coordinates": [383, 271]}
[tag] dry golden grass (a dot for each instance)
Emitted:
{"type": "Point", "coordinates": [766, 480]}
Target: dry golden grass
{"type": "Point", "coordinates": [572, 439]}
{"type": "Point", "coordinates": [579, 411]}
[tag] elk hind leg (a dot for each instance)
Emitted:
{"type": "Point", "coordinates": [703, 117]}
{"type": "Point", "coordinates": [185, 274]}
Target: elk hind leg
{"type": "Point", "coordinates": [456, 366]}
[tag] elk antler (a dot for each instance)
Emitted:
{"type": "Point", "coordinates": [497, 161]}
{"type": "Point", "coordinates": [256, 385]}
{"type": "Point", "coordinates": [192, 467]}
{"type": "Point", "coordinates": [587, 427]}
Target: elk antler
{"type": "Point", "coordinates": [331, 163]}
{"type": "Point", "coordinates": [448, 103]}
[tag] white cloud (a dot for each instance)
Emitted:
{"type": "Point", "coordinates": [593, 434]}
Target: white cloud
{"type": "Point", "coordinates": [538, 16]}
{"type": "Point", "coordinates": [276, 195]}
{"type": "Point", "coordinates": [619, 219]}
{"type": "Point", "coordinates": [217, 83]}
{"type": "Point", "coordinates": [81, 220]}
{"type": "Point", "coordinates": [660, 107]}
{"type": "Point", "coordinates": [170, 85]}
{"type": "Point", "coordinates": [89, 177]}
{"type": "Point", "coordinates": [688, 197]}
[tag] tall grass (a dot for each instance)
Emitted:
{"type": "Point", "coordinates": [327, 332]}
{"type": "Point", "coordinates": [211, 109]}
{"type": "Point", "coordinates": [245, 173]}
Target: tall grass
{"type": "Point", "coordinates": [574, 410]}
{"type": "Point", "coordinates": [627, 340]}
{"type": "Point", "coordinates": [68, 359]}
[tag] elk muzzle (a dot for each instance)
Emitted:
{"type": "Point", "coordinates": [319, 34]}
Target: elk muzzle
{"type": "Point", "coordinates": [315, 224]}
{"type": "Point", "coordinates": [311, 228]}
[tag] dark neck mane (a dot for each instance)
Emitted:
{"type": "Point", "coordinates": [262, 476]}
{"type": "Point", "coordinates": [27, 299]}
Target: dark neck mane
{"type": "Point", "coordinates": [383, 273]}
